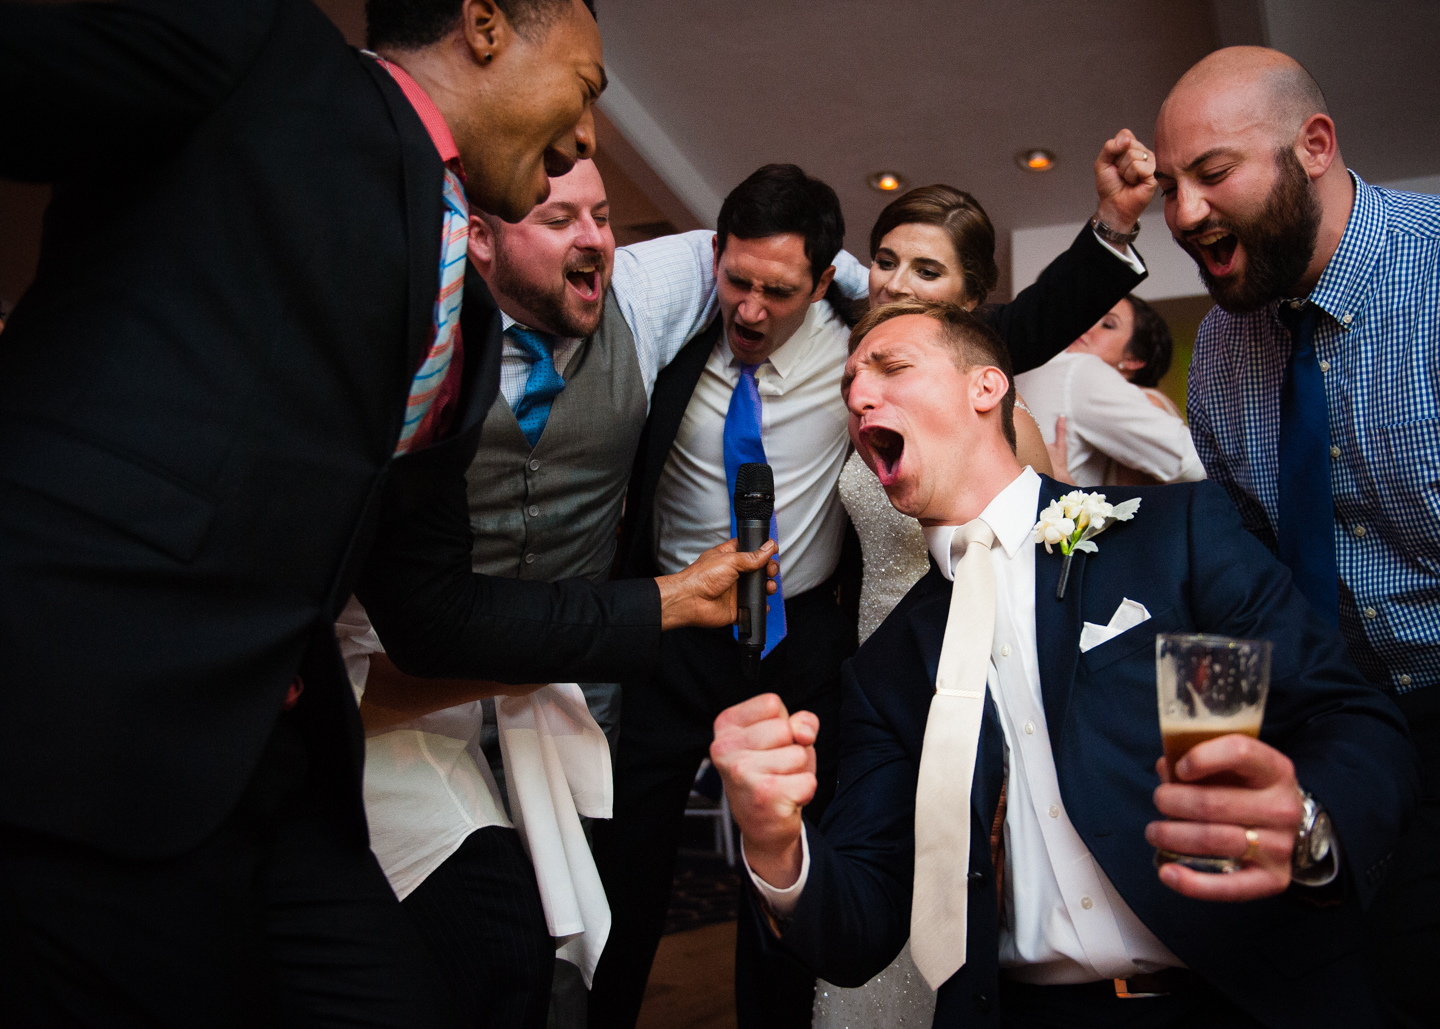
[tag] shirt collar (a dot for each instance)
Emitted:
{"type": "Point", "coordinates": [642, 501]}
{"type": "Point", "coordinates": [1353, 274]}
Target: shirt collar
{"type": "Point", "coordinates": [789, 354]}
{"type": "Point", "coordinates": [1010, 515]}
{"type": "Point", "coordinates": [1343, 284]}
{"type": "Point", "coordinates": [430, 115]}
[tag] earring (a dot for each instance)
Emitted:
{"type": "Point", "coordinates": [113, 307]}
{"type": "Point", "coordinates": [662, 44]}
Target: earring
{"type": "Point", "coordinates": [488, 57]}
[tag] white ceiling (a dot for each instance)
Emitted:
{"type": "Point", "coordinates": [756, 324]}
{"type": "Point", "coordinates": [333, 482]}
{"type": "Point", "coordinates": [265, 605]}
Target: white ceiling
{"type": "Point", "coordinates": [950, 90]}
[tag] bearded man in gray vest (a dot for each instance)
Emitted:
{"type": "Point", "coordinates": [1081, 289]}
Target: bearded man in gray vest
{"type": "Point", "coordinates": [587, 329]}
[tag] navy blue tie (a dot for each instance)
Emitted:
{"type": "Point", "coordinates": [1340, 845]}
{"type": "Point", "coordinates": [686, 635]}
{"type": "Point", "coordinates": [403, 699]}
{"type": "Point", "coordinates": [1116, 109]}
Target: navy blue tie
{"type": "Point", "coordinates": [542, 385]}
{"type": "Point", "coordinates": [1307, 508]}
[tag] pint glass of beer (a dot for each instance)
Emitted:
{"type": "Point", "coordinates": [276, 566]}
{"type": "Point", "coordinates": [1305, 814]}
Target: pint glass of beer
{"type": "Point", "coordinates": [1208, 686]}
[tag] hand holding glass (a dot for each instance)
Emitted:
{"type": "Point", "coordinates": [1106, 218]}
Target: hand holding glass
{"type": "Point", "coordinates": [1208, 686]}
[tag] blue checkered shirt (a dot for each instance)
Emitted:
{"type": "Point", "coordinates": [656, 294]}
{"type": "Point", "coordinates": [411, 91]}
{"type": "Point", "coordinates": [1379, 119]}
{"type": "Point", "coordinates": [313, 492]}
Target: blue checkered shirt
{"type": "Point", "coordinates": [1378, 344]}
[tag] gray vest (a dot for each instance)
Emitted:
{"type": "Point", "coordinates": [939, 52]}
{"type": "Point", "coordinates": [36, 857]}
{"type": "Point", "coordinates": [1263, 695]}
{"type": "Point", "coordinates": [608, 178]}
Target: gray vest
{"type": "Point", "coordinates": [552, 512]}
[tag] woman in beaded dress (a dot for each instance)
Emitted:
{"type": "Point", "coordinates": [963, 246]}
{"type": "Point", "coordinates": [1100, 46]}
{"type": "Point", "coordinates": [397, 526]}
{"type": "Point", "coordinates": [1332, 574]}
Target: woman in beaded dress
{"type": "Point", "coordinates": [933, 243]}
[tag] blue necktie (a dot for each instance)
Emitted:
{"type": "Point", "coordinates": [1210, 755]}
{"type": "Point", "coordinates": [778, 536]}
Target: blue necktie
{"type": "Point", "coordinates": [542, 385]}
{"type": "Point", "coordinates": [744, 446]}
{"type": "Point", "coordinates": [1307, 508]}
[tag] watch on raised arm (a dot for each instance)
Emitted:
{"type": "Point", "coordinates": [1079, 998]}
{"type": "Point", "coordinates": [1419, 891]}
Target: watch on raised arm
{"type": "Point", "coordinates": [1316, 858]}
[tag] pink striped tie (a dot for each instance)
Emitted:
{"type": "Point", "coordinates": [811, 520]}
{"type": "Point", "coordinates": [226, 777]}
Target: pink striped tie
{"type": "Point", "coordinates": [421, 407]}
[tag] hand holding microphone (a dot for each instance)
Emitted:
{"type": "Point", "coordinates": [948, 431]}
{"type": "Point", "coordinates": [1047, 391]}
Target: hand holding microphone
{"type": "Point", "coordinates": [705, 593]}
{"type": "Point", "coordinates": [754, 505]}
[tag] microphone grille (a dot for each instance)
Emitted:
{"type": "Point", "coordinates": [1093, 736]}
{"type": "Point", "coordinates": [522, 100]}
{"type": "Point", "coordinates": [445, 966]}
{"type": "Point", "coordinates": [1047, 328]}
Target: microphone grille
{"type": "Point", "coordinates": [754, 491]}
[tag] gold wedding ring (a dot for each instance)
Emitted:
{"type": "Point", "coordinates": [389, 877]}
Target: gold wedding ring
{"type": "Point", "coordinates": [1252, 845]}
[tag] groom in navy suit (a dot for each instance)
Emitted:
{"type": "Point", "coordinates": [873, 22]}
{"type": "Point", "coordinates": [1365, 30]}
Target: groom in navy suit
{"type": "Point", "coordinates": [1064, 919]}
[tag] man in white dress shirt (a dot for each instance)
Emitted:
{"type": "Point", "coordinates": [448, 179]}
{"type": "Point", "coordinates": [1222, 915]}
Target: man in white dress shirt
{"type": "Point", "coordinates": [1060, 918]}
{"type": "Point", "coordinates": [588, 327]}
{"type": "Point", "coordinates": [779, 339]}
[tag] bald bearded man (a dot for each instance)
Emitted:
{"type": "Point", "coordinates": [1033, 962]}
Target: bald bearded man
{"type": "Point", "coordinates": [1313, 401]}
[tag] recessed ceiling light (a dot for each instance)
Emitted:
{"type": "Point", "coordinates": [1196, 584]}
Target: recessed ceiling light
{"type": "Point", "coordinates": [1036, 160]}
{"type": "Point", "coordinates": [886, 181]}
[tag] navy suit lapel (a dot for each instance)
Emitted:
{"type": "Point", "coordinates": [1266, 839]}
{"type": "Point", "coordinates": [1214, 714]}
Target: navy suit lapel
{"type": "Point", "coordinates": [1057, 623]}
{"type": "Point", "coordinates": [424, 174]}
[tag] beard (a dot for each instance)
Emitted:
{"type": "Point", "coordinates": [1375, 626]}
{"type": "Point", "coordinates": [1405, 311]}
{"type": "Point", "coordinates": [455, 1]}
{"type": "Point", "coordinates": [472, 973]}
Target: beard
{"type": "Point", "coordinates": [572, 320]}
{"type": "Point", "coordinates": [1279, 242]}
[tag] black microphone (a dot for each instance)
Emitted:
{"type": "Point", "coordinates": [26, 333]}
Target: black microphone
{"type": "Point", "coordinates": [754, 504]}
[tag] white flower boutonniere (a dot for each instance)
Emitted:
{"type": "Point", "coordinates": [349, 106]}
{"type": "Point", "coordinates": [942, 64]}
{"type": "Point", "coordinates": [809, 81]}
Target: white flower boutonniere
{"type": "Point", "coordinates": [1073, 521]}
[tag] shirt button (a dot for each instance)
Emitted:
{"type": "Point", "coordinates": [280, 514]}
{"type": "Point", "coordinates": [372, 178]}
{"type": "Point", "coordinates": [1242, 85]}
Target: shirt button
{"type": "Point", "coordinates": [1404, 680]}
{"type": "Point", "coordinates": [1359, 530]}
{"type": "Point", "coordinates": [1334, 451]}
{"type": "Point", "coordinates": [1347, 318]}
{"type": "Point", "coordinates": [1029, 728]}
{"type": "Point", "coordinates": [1324, 366]}
{"type": "Point", "coordinates": [1086, 903]}
{"type": "Point", "coordinates": [534, 465]}
{"type": "Point", "coordinates": [533, 511]}
{"type": "Point", "coordinates": [1370, 612]}
{"type": "Point", "coordinates": [1005, 650]}
{"type": "Point", "coordinates": [1054, 810]}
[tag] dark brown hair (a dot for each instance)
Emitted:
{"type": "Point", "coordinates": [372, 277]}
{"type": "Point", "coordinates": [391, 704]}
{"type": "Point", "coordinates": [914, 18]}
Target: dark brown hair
{"type": "Point", "coordinates": [412, 24]}
{"type": "Point", "coordinates": [970, 341]}
{"type": "Point", "coordinates": [1149, 342]}
{"type": "Point", "coordinates": [962, 218]}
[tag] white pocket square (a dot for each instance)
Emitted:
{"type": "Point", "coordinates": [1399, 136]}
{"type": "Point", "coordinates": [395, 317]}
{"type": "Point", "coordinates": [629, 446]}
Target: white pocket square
{"type": "Point", "coordinates": [1129, 614]}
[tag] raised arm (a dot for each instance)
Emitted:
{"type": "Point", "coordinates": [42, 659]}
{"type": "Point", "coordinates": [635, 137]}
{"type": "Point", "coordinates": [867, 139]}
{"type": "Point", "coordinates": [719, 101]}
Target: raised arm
{"type": "Point", "coordinates": [1078, 287]}
{"type": "Point", "coordinates": [115, 82]}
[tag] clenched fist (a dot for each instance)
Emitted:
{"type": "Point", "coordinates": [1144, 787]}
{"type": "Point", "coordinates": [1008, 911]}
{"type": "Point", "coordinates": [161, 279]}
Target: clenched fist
{"type": "Point", "coordinates": [766, 756]}
{"type": "Point", "coordinates": [1124, 180]}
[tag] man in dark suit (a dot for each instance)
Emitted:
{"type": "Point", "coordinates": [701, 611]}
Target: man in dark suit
{"type": "Point", "coordinates": [1064, 729]}
{"type": "Point", "coordinates": [779, 231]}
{"type": "Point", "coordinates": [204, 401]}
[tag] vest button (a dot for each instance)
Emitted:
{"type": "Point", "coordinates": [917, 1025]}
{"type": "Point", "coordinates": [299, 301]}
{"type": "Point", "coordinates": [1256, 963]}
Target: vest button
{"type": "Point", "coordinates": [982, 1003]}
{"type": "Point", "coordinates": [529, 559]}
{"type": "Point", "coordinates": [534, 465]}
{"type": "Point", "coordinates": [533, 511]}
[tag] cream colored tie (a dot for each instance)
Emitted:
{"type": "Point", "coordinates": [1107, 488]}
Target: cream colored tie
{"type": "Point", "coordinates": [947, 763]}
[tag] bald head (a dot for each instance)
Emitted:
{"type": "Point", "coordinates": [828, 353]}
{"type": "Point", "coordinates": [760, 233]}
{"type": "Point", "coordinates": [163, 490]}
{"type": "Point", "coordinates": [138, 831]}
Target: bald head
{"type": "Point", "coordinates": [1254, 85]}
{"type": "Point", "coordinates": [1247, 160]}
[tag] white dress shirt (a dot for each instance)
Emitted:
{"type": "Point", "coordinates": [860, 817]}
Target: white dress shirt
{"type": "Point", "coordinates": [1107, 417]}
{"type": "Point", "coordinates": [1063, 920]}
{"type": "Point", "coordinates": [804, 428]}
{"type": "Point", "coordinates": [427, 783]}
{"type": "Point", "coordinates": [665, 288]}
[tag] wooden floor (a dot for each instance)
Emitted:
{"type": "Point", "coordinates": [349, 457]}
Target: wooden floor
{"type": "Point", "coordinates": [692, 983]}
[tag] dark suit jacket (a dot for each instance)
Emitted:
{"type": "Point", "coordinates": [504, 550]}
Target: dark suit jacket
{"type": "Point", "coordinates": [1187, 558]}
{"type": "Point", "coordinates": [199, 401]}
{"type": "Point", "coordinates": [1071, 294]}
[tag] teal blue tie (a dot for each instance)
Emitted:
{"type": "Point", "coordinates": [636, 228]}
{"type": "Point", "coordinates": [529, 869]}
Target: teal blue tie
{"type": "Point", "coordinates": [542, 385]}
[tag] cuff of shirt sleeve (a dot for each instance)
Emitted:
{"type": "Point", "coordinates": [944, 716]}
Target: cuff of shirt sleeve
{"type": "Point", "coordinates": [781, 902]}
{"type": "Point", "coordinates": [1128, 255]}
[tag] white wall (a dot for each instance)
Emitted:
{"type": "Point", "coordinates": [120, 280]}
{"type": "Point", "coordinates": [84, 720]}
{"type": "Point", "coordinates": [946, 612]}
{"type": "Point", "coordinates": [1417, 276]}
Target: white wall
{"type": "Point", "coordinates": [1172, 272]}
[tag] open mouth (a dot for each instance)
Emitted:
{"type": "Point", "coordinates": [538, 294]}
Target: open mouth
{"type": "Point", "coordinates": [747, 337]}
{"type": "Point", "coordinates": [887, 447]}
{"type": "Point", "coordinates": [1217, 248]}
{"type": "Point", "coordinates": [585, 280]}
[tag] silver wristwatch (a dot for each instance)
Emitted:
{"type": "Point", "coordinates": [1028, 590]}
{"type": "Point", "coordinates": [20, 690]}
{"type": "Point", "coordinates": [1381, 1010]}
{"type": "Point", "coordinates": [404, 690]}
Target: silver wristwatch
{"type": "Point", "coordinates": [1314, 861]}
{"type": "Point", "coordinates": [1115, 238]}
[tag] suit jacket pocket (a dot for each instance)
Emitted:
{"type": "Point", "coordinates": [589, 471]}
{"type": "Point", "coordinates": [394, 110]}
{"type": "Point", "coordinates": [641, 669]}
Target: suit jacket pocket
{"type": "Point", "coordinates": [113, 489]}
{"type": "Point", "coordinates": [1129, 642]}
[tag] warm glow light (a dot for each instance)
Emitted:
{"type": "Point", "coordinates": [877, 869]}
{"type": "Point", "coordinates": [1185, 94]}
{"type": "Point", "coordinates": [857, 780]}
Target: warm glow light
{"type": "Point", "coordinates": [886, 182]}
{"type": "Point", "coordinates": [1035, 160]}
